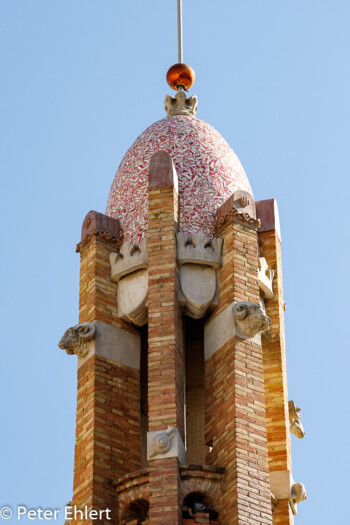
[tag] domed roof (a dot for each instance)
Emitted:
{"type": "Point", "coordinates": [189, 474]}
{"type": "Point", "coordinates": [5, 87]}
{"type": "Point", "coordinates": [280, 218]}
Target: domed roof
{"type": "Point", "coordinates": [208, 172]}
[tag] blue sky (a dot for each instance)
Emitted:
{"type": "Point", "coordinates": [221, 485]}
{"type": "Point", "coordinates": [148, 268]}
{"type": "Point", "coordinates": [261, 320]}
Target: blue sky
{"type": "Point", "coordinates": [80, 81]}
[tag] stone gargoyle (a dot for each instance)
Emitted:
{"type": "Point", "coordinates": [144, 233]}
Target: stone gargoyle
{"type": "Point", "coordinates": [251, 318]}
{"type": "Point", "coordinates": [298, 492]}
{"type": "Point", "coordinates": [75, 339]}
{"type": "Point", "coordinates": [296, 426]}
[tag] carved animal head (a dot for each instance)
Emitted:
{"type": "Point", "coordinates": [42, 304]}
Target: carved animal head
{"type": "Point", "coordinates": [73, 340]}
{"type": "Point", "coordinates": [298, 492]}
{"type": "Point", "coordinates": [251, 318]}
{"type": "Point", "coordinates": [296, 426]}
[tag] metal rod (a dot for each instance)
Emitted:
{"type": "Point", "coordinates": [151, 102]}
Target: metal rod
{"type": "Point", "coordinates": [179, 31]}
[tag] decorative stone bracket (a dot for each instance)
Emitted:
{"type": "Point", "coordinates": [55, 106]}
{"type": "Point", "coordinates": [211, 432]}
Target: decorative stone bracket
{"type": "Point", "coordinates": [165, 444]}
{"type": "Point", "coordinates": [198, 257]}
{"type": "Point", "coordinates": [75, 339]}
{"type": "Point", "coordinates": [250, 318]}
{"type": "Point", "coordinates": [284, 487]}
{"type": "Point", "coordinates": [129, 270]}
{"type": "Point", "coordinates": [265, 278]}
{"type": "Point", "coordinates": [296, 426]}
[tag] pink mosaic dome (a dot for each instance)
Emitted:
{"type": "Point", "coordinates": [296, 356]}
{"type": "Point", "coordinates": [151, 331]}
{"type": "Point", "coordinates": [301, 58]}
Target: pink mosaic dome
{"type": "Point", "coordinates": [208, 172]}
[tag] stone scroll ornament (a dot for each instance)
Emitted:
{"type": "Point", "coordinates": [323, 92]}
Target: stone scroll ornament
{"type": "Point", "coordinates": [251, 318]}
{"type": "Point", "coordinates": [198, 257]}
{"type": "Point", "coordinates": [75, 339]}
{"type": "Point", "coordinates": [296, 426]}
{"type": "Point", "coordinates": [161, 442]}
{"type": "Point", "coordinates": [129, 270]}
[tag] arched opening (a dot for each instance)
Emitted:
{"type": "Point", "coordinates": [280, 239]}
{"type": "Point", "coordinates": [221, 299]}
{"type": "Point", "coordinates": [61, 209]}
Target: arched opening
{"type": "Point", "coordinates": [198, 502]}
{"type": "Point", "coordinates": [137, 510]}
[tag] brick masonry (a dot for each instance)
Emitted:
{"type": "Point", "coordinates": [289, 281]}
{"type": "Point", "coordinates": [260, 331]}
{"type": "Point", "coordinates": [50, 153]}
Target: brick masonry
{"type": "Point", "coordinates": [235, 404]}
{"type": "Point", "coordinates": [165, 337]}
{"type": "Point", "coordinates": [107, 428]}
{"type": "Point", "coordinates": [274, 359]}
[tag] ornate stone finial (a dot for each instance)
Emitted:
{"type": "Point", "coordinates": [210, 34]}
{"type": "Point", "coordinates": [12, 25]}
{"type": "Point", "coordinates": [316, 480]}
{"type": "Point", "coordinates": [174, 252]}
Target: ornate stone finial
{"type": "Point", "coordinates": [298, 493]}
{"type": "Point", "coordinates": [75, 338]}
{"type": "Point", "coordinates": [251, 318]}
{"type": "Point", "coordinates": [181, 105]}
{"type": "Point", "coordinates": [296, 426]}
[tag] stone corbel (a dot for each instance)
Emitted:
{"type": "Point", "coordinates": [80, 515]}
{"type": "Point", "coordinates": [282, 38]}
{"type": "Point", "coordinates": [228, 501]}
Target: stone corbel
{"type": "Point", "coordinates": [296, 426]}
{"type": "Point", "coordinates": [198, 257]}
{"type": "Point", "coordinates": [75, 340]}
{"type": "Point", "coordinates": [250, 319]}
{"type": "Point", "coordinates": [129, 270]}
{"type": "Point", "coordinates": [165, 444]}
{"type": "Point", "coordinates": [284, 487]}
{"type": "Point", "coordinates": [265, 278]}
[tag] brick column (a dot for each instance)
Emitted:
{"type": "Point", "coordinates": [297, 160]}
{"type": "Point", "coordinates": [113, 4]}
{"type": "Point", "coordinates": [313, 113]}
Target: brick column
{"type": "Point", "coordinates": [107, 428]}
{"type": "Point", "coordinates": [165, 336]}
{"type": "Point", "coordinates": [276, 394]}
{"type": "Point", "coordinates": [235, 405]}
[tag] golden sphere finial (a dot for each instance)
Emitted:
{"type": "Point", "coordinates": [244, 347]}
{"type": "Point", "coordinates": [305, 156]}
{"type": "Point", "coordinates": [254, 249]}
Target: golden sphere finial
{"type": "Point", "coordinates": [180, 75]}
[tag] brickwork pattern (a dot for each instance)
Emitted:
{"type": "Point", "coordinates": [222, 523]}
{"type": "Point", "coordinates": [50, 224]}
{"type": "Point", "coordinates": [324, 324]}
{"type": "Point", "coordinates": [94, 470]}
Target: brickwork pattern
{"type": "Point", "coordinates": [107, 421]}
{"type": "Point", "coordinates": [165, 350]}
{"type": "Point", "coordinates": [235, 417]}
{"type": "Point", "coordinates": [275, 373]}
{"type": "Point", "coordinates": [107, 432]}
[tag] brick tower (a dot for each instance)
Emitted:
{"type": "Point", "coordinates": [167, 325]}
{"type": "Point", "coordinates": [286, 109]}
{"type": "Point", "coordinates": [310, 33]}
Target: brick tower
{"type": "Point", "coordinates": [182, 407]}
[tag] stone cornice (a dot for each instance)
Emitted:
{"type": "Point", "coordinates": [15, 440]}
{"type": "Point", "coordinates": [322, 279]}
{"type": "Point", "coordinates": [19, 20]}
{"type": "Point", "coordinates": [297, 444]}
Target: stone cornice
{"type": "Point", "coordinates": [99, 225]}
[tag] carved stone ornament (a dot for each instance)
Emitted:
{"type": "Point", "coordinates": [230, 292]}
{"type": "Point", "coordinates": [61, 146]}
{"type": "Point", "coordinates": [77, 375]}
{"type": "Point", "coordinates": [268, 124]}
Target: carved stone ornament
{"type": "Point", "coordinates": [161, 442]}
{"type": "Point", "coordinates": [129, 269]}
{"type": "Point", "coordinates": [298, 493]}
{"type": "Point", "coordinates": [198, 257]}
{"type": "Point", "coordinates": [165, 444]}
{"type": "Point", "coordinates": [99, 225]}
{"type": "Point", "coordinates": [251, 318]}
{"type": "Point", "coordinates": [75, 339]}
{"type": "Point", "coordinates": [265, 278]}
{"type": "Point", "coordinates": [181, 105]}
{"type": "Point", "coordinates": [296, 426]}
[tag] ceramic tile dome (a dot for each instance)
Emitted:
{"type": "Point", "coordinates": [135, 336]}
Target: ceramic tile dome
{"type": "Point", "coordinates": [208, 171]}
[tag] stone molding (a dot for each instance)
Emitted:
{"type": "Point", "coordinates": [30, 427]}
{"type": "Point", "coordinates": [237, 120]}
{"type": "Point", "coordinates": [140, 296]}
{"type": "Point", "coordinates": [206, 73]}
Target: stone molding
{"type": "Point", "coordinates": [128, 259]}
{"type": "Point", "coordinates": [296, 426]}
{"type": "Point", "coordinates": [99, 225]}
{"type": "Point", "coordinates": [218, 331]}
{"type": "Point", "coordinates": [181, 105]}
{"type": "Point", "coordinates": [110, 342]}
{"type": "Point", "coordinates": [265, 278]}
{"type": "Point", "coordinates": [165, 444]}
{"type": "Point", "coordinates": [250, 318]}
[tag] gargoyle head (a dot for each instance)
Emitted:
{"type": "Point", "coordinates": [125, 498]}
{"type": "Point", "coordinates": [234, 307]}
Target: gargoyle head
{"type": "Point", "coordinates": [251, 318]}
{"type": "Point", "coordinates": [74, 339]}
{"type": "Point", "coordinates": [296, 426]}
